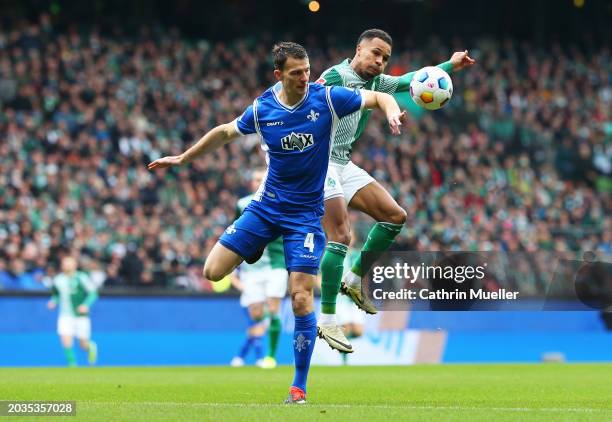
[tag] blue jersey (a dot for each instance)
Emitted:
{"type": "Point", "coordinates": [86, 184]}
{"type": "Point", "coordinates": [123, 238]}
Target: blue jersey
{"type": "Point", "coordinates": [297, 142]}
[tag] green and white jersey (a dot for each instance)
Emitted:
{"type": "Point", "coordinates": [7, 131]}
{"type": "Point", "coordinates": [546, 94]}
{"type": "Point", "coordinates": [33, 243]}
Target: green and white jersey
{"type": "Point", "coordinates": [352, 126]}
{"type": "Point", "coordinates": [70, 292]}
{"type": "Point", "coordinates": [274, 255]}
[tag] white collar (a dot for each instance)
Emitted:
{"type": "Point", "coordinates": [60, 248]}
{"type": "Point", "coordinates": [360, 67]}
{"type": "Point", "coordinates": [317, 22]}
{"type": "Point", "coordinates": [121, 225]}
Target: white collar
{"type": "Point", "coordinates": [276, 89]}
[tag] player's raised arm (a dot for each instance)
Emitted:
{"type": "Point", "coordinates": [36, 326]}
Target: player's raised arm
{"type": "Point", "coordinates": [459, 60]}
{"type": "Point", "coordinates": [214, 139]}
{"type": "Point", "coordinates": [387, 104]}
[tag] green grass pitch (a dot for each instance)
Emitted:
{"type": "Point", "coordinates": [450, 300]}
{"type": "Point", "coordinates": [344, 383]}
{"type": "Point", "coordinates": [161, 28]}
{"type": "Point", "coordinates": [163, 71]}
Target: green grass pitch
{"type": "Point", "coordinates": [552, 392]}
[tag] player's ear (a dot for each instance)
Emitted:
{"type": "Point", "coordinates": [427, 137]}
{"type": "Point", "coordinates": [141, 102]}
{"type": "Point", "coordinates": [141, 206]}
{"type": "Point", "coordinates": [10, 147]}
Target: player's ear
{"type": "Point", "coordinates": [278, 74]}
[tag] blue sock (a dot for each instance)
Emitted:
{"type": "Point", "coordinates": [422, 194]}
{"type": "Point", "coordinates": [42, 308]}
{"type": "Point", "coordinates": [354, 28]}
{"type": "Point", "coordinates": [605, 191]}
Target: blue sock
{"type": "Point", "coordinates": [304, 337]}
{"type": "Point", "coordinates": [257, 347]}
{"type": "Point", "coordinates": [244, 350]}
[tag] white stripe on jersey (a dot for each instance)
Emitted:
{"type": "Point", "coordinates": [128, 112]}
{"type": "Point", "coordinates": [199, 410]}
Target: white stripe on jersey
{"type": "Point", "coordinates": [335, 119]}
{"type": "Point", "coordinates": [262, 187]}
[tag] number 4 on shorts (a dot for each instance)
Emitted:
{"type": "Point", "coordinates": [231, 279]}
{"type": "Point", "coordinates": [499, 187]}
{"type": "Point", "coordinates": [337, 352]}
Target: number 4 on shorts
{"type": "Point", "coordinates": [309, 242]}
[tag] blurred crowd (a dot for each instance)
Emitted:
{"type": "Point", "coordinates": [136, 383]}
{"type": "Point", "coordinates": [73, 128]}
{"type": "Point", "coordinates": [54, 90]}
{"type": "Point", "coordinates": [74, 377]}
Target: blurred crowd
{"type": "Point", "coordinates": [520, 159]}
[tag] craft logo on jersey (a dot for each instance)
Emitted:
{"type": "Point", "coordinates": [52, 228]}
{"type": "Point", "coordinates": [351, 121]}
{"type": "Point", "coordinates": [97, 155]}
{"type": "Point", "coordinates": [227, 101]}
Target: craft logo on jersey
{"type": "Point", "coordinates": [313, 116]}
{"type": "Point", "coordinates": [300, 141]}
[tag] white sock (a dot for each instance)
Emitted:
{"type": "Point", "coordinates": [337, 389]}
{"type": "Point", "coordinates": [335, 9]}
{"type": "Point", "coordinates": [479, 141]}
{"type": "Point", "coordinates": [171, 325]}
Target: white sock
{"type": "Point", "coordinates": [327, 319]}
{"type": "Point", "coordinates": [352, 279]}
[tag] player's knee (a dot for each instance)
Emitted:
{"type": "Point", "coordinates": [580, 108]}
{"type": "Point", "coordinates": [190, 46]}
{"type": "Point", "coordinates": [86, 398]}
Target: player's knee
{"type": "Point", "coordinates": [301, 301]}
{"type": "Point", "coordinates": [341, 234]}
{"type": "Point", "coordinates": [257, 314]}
{"type": "Point", "coordinates": [397, 216]}
{"type": "Point", "coordinates": [273, 306]}
{"type": "Point", "coordinates": [212, 272]}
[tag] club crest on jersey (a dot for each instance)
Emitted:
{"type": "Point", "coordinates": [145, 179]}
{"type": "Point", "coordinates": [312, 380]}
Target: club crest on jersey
{"type": "Point", "coordinates": [301, 342]}
{"type": "Point", "coordinates": [313, 116]}
{"type": "Point", "coordinates": [300, 141]}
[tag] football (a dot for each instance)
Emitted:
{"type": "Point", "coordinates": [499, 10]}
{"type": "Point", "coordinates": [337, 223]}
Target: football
{"type": "Point", "coordinates": [431, 88]}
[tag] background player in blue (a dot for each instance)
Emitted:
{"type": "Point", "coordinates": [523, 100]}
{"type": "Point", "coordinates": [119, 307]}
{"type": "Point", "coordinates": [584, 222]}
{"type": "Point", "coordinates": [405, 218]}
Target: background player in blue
{"type": "Point", "coordinates": [296, 121]}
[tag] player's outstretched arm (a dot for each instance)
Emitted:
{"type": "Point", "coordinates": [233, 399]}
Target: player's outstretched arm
{"type": "Point", "coordinates": [214, 139]}
{"type": "Point", "coordinates": [386, 103]}
{"type": "Point", "coordinates": [459, 60]}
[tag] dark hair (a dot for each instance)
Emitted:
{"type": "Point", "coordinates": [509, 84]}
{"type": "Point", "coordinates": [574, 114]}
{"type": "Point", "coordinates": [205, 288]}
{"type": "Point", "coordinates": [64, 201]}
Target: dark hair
{"type": "Point", "coordinates": [285, 49]}
{"type": "Point", "coordinates": [369, 34]}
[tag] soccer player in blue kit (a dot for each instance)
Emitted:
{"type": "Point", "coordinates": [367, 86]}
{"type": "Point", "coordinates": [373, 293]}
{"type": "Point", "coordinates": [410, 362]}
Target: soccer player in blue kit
{"type": "Point", "coordinates": [296, 121]}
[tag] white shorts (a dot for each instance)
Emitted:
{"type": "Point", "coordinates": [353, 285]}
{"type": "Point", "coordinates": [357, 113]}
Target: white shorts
{"type": "Point", "coordinates": [260, 285]}
{"type": "Point", "coordinates": [79, 327]}
{"type": "Point", "coordinates": [347, 312]}
{"type": "Point", "coordinates": [345, 180]}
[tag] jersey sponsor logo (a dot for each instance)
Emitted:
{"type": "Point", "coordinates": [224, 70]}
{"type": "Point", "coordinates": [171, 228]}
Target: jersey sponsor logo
{"type": "Point", "coordinates": [300, 141]}
{"type": "Point", "coordinates": [275, 123]}
{"type": "Point", "coordinates": [321, 81]}
{"type": "Point", "coordinates": [313, 116]}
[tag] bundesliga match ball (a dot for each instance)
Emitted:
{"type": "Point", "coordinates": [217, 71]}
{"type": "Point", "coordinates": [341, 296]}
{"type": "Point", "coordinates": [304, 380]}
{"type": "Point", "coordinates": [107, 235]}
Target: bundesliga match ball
{"type": "Point", "coordinates": [431, 88]}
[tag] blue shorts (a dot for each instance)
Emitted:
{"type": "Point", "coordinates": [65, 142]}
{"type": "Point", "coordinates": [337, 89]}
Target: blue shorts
{"type": "Point", "coordinates": [303, 237]}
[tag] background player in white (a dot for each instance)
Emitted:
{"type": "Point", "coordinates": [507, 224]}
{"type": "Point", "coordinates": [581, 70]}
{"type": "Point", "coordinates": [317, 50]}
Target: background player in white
{"type": "Point", "coordinates": [263, 285]}
{"type": "Point", "coordinates": [349, 185]}
{"type": "Point", "coordinates": [296, 121]}
{"type": "Point", "coordinates": [75, 293]}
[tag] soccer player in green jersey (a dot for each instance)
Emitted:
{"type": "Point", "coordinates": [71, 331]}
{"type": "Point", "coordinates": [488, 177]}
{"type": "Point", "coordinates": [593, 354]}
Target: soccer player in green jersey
{"type": "Point", "coordinates": [263, 284]}
{"type": "Point", "coordinates": [74, 292]}
{"type": "Point", "coordinates": [349, 185]}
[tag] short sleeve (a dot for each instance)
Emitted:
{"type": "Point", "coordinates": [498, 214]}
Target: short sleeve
{"type": "Point", "coordinates": [330, 77]}
{"type": "Point", "coordinates": [245, 124]}
{"type": "Point", "coordinates": [345, 101]}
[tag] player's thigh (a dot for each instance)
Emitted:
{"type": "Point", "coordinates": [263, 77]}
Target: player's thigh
{"type": "Point", "coordinates": [220, 262]}
{"type": "Point", "coordinates": [83, 328]}
{"type": "Point", "coordinates": [354, 178]}
{"type": "Point", "coordinates": [335, 221]}
{"type": "Point", "coordinates": [376, 202]}
{"type": "Point", "coordinates": [276, 284]}
{"type": "Point", "coordinates": [243, 239]}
